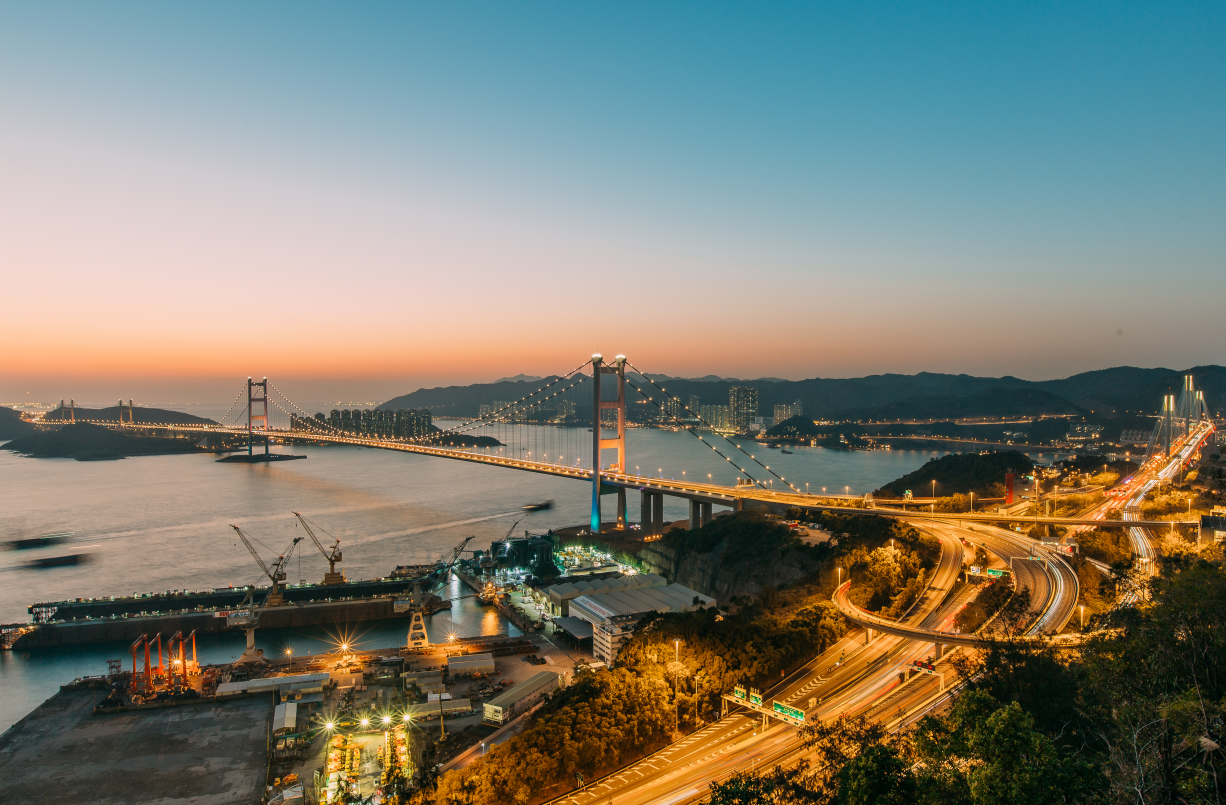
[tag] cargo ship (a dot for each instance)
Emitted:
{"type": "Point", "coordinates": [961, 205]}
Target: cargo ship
{"type": "Point", "coordinates": [99, 620]}
{"type": "Point", "coordinates": [335, 601]}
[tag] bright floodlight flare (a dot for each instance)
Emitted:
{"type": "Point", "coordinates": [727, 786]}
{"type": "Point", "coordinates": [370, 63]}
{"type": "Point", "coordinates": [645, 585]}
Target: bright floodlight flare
{"type": "Point", "coordinates": [330, 725]}
{"type": "Point", "coordinates": [387, 719]}
{"type": "Point", "coordinates": [365, 722]}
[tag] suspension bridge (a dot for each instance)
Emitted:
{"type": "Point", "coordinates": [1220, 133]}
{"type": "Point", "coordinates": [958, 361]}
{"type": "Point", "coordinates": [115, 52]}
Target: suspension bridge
{"type": "Point", "coordinates": [574, 426]}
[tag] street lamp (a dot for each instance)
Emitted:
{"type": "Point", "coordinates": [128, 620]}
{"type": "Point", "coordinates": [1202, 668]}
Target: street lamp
{"type": "Point", "coordinates": [1082, 607]}
{"type": "Point", "coordinates": [840, 575]}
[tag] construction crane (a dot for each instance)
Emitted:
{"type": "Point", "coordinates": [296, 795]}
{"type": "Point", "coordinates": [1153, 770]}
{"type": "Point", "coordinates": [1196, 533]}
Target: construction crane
{"type": "Point", "coordinates": [277, 573]}
{"type": "Point", "coordinates": [441, 575]}
{"type": "Point", "coordinates": [333, 555]}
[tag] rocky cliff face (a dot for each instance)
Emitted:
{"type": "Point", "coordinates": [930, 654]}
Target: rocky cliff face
{"type": "Point", "coordinates": [722, 577]}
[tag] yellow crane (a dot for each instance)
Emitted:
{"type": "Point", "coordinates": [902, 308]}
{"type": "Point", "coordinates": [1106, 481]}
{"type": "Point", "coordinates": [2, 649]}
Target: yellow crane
{"type": "Point", "coordinates": [333, 555]}
{"type": "Point", "coordinates": [276, 574]}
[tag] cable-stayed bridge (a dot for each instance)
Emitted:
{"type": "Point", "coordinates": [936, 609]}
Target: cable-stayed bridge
{"type": "Point", "coordinates": [574, 426]}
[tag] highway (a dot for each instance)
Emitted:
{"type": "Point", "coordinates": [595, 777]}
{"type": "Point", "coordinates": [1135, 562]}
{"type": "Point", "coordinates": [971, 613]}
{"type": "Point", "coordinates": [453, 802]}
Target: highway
{"type": "Point", "coordinates": [1052, 583]}
{"type": "Point", "coordinates": [851, 677]}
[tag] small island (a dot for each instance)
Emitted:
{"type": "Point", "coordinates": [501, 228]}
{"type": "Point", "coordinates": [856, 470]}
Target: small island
{"type": "Point", "coordinates": [86, 442]}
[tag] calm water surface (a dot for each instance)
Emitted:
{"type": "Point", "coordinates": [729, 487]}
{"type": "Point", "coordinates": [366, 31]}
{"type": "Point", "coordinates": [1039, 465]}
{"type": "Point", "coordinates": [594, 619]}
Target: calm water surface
{"type": "Point", "coordinates": [162, 523]}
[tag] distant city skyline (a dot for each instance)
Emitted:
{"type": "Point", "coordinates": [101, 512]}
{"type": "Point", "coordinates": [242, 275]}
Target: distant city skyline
{"type": "Point", "coordinates": [364, 201]}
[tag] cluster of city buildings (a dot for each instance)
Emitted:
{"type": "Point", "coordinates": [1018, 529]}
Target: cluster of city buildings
{"type": "Point", "coordinates": [401, 424]}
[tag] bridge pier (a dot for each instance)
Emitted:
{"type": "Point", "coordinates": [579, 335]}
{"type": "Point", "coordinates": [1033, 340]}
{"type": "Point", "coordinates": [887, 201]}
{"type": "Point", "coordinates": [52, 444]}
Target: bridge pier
{"type": "Point", "coordinates": [706, 513]}
{"type": "Point", "coordinates": [695, 515]}
{"type": "Point", "coordinates": [868, 635]}
{"type": "Point", "coordinates": [621, 508]}
{"type": "Point", "coordinates": [938, 650]}
{"type": "Point", "coordinates": [653, 513]}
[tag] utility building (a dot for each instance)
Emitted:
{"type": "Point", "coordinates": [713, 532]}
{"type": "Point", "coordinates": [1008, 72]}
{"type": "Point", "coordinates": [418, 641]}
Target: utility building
{"type": "Point", "coordinates": [613, 614]}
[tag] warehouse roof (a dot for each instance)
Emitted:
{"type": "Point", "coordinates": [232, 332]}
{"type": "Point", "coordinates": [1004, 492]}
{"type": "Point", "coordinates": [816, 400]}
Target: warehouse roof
{"type": "Point", "coordinates": [432, 708]}
{"type": "Point", "coordinates": [269, 683]}
{"type": "Point", "coordinates": [575, 627]}
{"type": "Point", "coordinates": [564, 592]}
{"type": "Point", "coordinates": [532, 685]}
{"type": "Point", "coordinates": [463, 659]}
{"type": "Point", "coordinates": [621, 603]}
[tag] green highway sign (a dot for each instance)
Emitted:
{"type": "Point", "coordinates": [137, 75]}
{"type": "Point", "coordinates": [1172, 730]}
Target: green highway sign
{"type": "Point", "coordinates": [739, 692]}
{"type": "Point", "coordinates": [789, 712]}
{"type": "Point", "coordinates": [755, 699]}
{"type": "Point", "coordinates": [994, 572]}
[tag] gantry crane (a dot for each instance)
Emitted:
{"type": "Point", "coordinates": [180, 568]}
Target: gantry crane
{"type": "Point", "coordinates": [419, 595]}
{"type": "Point", "coordinates": [333, 555]}
{"type": "Point", "coordinates": [277, 574]}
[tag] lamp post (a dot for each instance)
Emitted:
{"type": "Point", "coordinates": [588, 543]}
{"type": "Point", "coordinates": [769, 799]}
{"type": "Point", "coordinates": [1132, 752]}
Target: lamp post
{"type": "Point", "coordinates": [1082, 607]}
{"type": "Point", "coordinates": [840, 575]}
{"type": "Point", "coordinates": [676, 673]}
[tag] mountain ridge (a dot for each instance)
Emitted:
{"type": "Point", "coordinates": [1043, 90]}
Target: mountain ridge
{"type": "Point", "coordinates": [1113, 390]}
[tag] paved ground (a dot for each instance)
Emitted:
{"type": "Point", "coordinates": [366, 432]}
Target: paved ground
{"type": "Point", "coordinates": [192, 755]}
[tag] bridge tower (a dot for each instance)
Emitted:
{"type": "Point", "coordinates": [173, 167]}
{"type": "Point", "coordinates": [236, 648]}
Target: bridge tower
{"type": "Point", "coordinates": [599, 405]}
{"type": "Point", "coordinates": [252, 417]}
{"type": "Point", "coordinates": [1168, 423]}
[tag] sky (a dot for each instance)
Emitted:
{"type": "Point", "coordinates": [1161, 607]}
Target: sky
{"type": "Point", "coordinates": [361, 199]}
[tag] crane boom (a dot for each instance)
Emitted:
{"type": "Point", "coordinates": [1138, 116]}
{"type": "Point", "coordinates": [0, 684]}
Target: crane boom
{"type": "Point", "coordinates": [332, 556]}
{"type": "Point", "coordinates": [283, 560]}
{"type": "Point", "coordinates": [254, 555]}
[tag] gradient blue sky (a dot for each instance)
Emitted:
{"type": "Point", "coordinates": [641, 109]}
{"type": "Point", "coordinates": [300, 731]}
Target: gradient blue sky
{"type": "Point", "coordinates": [363, 198]}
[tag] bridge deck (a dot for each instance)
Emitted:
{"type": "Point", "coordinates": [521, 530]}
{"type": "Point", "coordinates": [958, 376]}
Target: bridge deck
{"type": "Point", "coordinates": [706, 493]}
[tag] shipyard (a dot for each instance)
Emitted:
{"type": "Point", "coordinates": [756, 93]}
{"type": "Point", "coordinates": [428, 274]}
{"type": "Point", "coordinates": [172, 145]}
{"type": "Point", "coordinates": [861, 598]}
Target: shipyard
{"type": "Point", "coordinates": [352, 723]}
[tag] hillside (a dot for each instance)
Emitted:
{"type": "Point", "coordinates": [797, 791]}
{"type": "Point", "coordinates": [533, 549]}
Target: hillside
{"type": "Point", "coordinates": [151, 416]}
{"type": "Point", "coordinates": [993, 402]}
{"type": "Point", "coordinates": [981, 473]}
{"type": "Point", "coordinates": [12, 426]}
{"type": "Point", "coordinates": [925, 395]}
{"type": "Point", "coordinates": [86, 442]}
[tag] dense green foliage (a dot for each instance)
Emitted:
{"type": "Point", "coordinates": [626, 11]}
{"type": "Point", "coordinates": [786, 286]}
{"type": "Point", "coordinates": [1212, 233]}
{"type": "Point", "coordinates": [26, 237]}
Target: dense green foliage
{"type": "Point", "coordinates": [1137, 715]}
{"type": "Point", "coordinates": [986, 604]}
{"type": "Point", "coordinates": [1107, 545]}
{"type": "Point", "coordinates": [750, 532]}
{"type": "Point", "coordinates": [981, 473]}
{"type": "Point", "coordinates": [85, 441]}
{"type": "Point", "coordinates": [599, 722]}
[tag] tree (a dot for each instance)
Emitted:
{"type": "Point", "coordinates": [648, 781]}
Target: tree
{"type": "Point", "coordinates": [877, 776]}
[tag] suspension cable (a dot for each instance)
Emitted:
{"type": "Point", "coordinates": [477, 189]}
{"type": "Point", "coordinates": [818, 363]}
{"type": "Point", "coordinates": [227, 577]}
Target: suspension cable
{"type": "Point", "coordinates": [700, 419]}
{"type": "Point", "coordinates": [529, 396]}
{"type": "Point", "coordinates": [704, 441]}
{"type": "Point", "coordinates": [484, 421]}
{"type": "Point", "coordinates": [222, 421]}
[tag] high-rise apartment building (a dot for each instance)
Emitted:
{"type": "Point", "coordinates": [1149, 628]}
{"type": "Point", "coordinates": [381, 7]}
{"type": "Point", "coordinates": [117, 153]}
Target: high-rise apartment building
{"type": "Point", "coordinates": [785, 412]}
{"type": "Point", "coordinates": [673, 411]}
{"type": "Point", "coordinates": [715, 415]}
{"type": "Point", "coordinates": [742, 406]}
{"type": "Point", "coordinates": [695, 405]}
